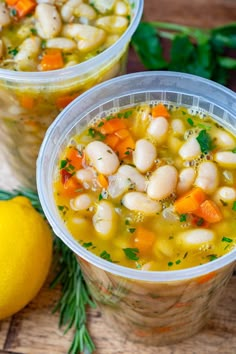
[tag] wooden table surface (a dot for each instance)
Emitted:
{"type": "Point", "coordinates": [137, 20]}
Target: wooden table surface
{"type": "Point", "coordinates": [34, 330]}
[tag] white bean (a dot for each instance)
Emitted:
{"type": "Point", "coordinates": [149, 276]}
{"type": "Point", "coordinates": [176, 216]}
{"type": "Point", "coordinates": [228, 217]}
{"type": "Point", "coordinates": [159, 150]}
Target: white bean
{"type": "Point", "coordinates": [144, 155]}
{"type": "Point", "coordinates": [102, 157]}
{"type": "Point", "coordinates": [85, 176]}
{"type": "Point", "coordinates": [126, 178]}
{"type": "Point", "coordinates": [84, 10]}
{"type": "Point", "coordinates": [104, 220]}
{"type": "Point", "coordinates": [178, 127]}
{"type": "Point", "coordinates": [49, 21]}
{"type": "Point", "coordinates": [62, 43]}
{"type": "Point", "coordinates": [186, 179]}
{"type": "Point", "coordinates": [162, 182]}
{"type": "Point", "coordinates": [226, 159]}
{"type": "Point", "coordinates": [121, 8]}
{"type": "Point", "coordinates": [140, 202]}
{"type": "Point", "coordinates": [113, 24]}
{"type": "Point", "coordinates": [190, 149]}
{"type": "Point", "coordinates": [28, 51]}
{"type": "Point", "coordinates": [223, 139]}
{"type": "Point", "coordinates": [103, 6]}
{"type": "Point", "coordinates": [68, 9]}
{"type": "Point", "coordinates": [88, 37]}
{"type": "Point", "coordinates": [5, 18]}
{"type": "Point", "coordinates": [195, 238]}
{"type": "Point", "coordinates": [81, 202]}
{"type": "Point", "coordinates": [158, 129]}
{"type": "Point", "coordinates": [225, 194]}
{"type": "Point", "coordinates": [207, 177]}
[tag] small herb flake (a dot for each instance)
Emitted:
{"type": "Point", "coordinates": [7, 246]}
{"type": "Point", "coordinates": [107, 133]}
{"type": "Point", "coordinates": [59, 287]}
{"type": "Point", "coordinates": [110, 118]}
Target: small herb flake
{"type": "Point", "coordinates": [205, 142]}
{"type": "Point", "coordinates": [212, 257]}
{"type": "Point", "coordinates": [87, 244]}
{"type": "Point", "coordinates": [33, 31]}
{"type": "Point", "coordinates": [132, 230]}
{"type": "Point", "coordinates": [183, 217]}
{"type": "Point", "coordinates": [91, 132]}
{"type": "Point", "coordinates": [234, 206]}
{"type": "Point", "coordinates": [190, 122]}
{"type": "Point", "coordinates": [105, 255]}
{"type": "Point", "coordinates": [226, 239]}
{"type": "Point", "coordinates": [100, 197]}
{"type": "Point", "coordinates": [61, 207]}
{"type": "Point", "coordinates": [63, 164]}
{"type": "Point", "coordinates": [131, 253]}
{"type": "Point", "coordinates": [127, 222]}
{"type": "Point", "coordinates": [178, 261]}
{"type": "Point", "coordinates": [100, 124]}
{"type": "Point", "coordinates": [170, 264]}
{"type": "Point", "coordinates": [127, 114]}
{"type": "Point", "coordinates": [13, 51]}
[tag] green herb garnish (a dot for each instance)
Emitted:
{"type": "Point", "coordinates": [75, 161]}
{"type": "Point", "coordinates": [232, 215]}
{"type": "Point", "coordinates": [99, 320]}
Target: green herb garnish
{"type": "Point", "coordinates": [132, 230]}
{"type": "Point", "coordinates": [183, 217]}
{"type": "Point", "coordinates": [131, 253]}
{"type": "Point", "coordinates": [106, 256]}
{"type": "Point", "coordinates": [178, 261]}
{"type": "Point", "coordinates": [13, 51]}
{"type": "Point", "coordinates": [190, 122]}
{"type": "Point", "coordinates": [212, 257]}
{"type": "Point", "coordinates": [205, 142]}
{"type": "Point", "coordinates": [87, 244]}
{"type": "Point", "coordinates": [226, 239]}
{"type": "Point", "coordinates": [234, 206]}
{"type": "Point", "coordinates": [170, 264]}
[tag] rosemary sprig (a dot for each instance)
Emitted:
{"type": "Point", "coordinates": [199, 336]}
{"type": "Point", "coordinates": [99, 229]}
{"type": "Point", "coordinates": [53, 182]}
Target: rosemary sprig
{"type": "Point", "coordinates": [75, 295]}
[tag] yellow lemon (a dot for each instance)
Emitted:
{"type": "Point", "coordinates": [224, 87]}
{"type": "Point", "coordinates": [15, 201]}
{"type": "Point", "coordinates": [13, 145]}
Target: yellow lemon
{"type": "Point", "coordinates": [25, 254]}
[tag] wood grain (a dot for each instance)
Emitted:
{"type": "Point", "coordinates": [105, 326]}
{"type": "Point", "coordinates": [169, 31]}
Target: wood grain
{"type": "Point", "coordinates": [34, 330]}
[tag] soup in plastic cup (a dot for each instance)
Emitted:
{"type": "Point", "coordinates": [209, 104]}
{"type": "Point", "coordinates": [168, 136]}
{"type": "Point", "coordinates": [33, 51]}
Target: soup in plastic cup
{"type": "Point", "coordinates": [31, 100]}
{"type": "Point", "coordinates": [155, 307]}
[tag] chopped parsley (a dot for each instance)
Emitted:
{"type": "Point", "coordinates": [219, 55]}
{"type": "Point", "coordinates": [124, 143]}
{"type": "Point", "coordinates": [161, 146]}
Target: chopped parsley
{"type": "Point", "coordinates": [183, 217]}
{"type": "Point", "coordinates": [100, 124]}
{"type": "Point", "coordinates": [190, 122]}
{"type": "Point", "coordinates": [127, 222]}
{"type": "Point", "coordinates": [33, 31]}
{"type": "Point", "coordinates": [132, 230]}
{"type": "Point", "coordinates": [212, 257]}
{"type": "Point", "coordinates": [63, 163]}
{"type": "Point", "coordinates": [91, 132]}
{"type": "Point", "coordinates": [178, 261]}
{"type": "Point", "coordinates": [127, 114]}
{"type": "Point", "coordinates": [234, 150]}
{"type": "Point", "coordinates": [61, 207]}
{"type": "Point", "coordinates": [87, 244]}
{"type": "Point", "coordinates": [205, 141]}
{"type": "Point", "coordinates": [105, 255]}
{"type": "Point", "coordinates": [226, 239]}
{"type": "Point", "coordinates": [131, 253]}
{"type": "Point", "coordinates": [13, 51]}
{"type": "Point", "coordinates": [170, 264]}
{"type": "Point", "coordinates": [100, 197]}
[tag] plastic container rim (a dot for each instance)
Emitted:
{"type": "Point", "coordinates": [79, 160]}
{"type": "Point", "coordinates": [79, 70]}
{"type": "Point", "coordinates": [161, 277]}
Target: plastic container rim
{"type": "Point", "coordinates": [64, 235]}
{"type": "Point", "coordinates": [81, 68]}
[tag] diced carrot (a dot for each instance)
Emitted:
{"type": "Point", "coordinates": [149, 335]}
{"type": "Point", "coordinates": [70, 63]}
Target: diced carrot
{"type": "Point", "coordinates": [160, 111]}
{"type": "Point", "coordinates": [143, 239]}
{"type": "Point", "coordinates": [112, 140]}
{"type": "Point", "coordinates": [71, 187]}
{"type": "Point", "coordinates": [209, 211]}
{"type": "Point", "coordinates": [11, 2]}
{"type": "Point", "coordinates": [125, 147]}
{"type": "Point", "coordinates": [102, 180]}
{"type": "Point", "coordinates": [190, 201]}
{"type": "Point", "coordinates": [65, 175]}
{"type": "Point", "coordinates": [63, 101]}
{"type": "Point", "coordinates": [122, 134]}
{"type": "Point", "coordinates": [74, 158]}
{"type": "Point", "coordinates": [27, 102]}
{"type": "Point", "coordinates": [112, 126]}
{"type": "Point", "coordinates": [205, 278]}
{"type": "Point", "coordinates": [52, 59]}
{"type": "Point", "coordinates": [24, 7]}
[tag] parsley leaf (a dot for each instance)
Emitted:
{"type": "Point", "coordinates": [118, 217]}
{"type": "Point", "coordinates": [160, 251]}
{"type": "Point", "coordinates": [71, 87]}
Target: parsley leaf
{"type": "Point", "coordinates": [105, 255]}
{"type": "Point", "coordinates": [226, 239]}
{"type": "Point", "coordinates": [205, 141]}
{"type": "Point", "coordinates": [131, 253]}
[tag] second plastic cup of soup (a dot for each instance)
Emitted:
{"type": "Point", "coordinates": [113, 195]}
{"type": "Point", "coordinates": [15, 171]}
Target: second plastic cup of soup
{"type": "Point", "coordinates": [30, 98]}
{"type": "Point", "coordinates": [156, 307]}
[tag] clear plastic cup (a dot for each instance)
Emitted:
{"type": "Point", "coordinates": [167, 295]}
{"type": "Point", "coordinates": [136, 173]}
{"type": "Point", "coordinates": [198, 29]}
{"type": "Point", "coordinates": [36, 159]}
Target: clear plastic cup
{"type": "Point", "coordinates": [159, 307]}
{"type": "Point", "coordinates": [30, 101]}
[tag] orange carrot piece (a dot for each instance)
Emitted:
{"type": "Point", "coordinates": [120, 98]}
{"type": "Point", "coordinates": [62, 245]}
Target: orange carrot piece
{"type": "Point", "coordinates": [143, 239]}
{"type": "Point", "coordinates": [125, 147]}
{"type": "Point", "coordinates": [122, 133]}
{"type": "Point", "coordinates": [71, 187]}
{"type": "Point", "coordinates": [27, 102]}
{"type": "Point", "coordinates": [209, 211]}
{"type": "Point", "coordinates": [11, 2]}
{"type": "Point", "coordinates": [74, 158]}
{"type": "Point", "coordinates": [112, 126]}
{"type": "Point", "coordinates": [190, 201]}
{"type": "Point", "coordinates": [205, 278]}
{"type": "Point", "coordinates": [52, 59]}
{"type": "Point", "coordinates": [160, 111]}
{"type": "Point", "coordinates": [102, 180]}
{"type": "Point", "coordinates": [63, 101]}
{"type": "Point", "coordinates": [24, 7]}
{"type": "Point", "coordinates": [112, 140]}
